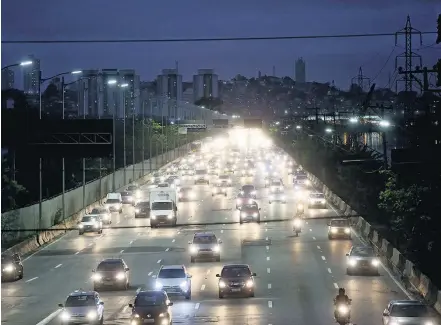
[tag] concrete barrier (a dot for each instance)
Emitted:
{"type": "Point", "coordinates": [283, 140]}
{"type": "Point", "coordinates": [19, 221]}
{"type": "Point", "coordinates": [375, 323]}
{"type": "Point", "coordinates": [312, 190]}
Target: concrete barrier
{"type": "Point", "coordinates": [404, 270]}
{"type": "Point", "coordinates": [27, 218]}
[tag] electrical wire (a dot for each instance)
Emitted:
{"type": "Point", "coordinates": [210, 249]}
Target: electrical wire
{"type": "Point", "coordinates": [221, 39]}
{"type": "Point", "coordinates": [384, 65]}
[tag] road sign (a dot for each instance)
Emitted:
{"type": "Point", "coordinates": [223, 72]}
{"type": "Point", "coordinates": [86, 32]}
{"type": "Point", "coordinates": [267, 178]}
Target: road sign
{"type": "Point", "coordinates": [194, 127]}
{"type": "Point", "coordinates": [182, 130]}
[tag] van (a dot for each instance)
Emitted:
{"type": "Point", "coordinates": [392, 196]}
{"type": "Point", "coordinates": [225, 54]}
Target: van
{"type": "Point", "coordinates": [114, 202]}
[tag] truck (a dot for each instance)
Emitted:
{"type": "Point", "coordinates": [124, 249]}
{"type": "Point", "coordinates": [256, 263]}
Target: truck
{"type": "Point", "coordinates": [163, 206]}
{"type": "Point", "coordinates": [196, 146]}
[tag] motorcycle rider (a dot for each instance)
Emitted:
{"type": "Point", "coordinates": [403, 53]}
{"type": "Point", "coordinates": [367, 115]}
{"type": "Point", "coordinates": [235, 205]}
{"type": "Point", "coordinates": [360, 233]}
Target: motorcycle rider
{"type": "Point", "coordinates": [341, 298]}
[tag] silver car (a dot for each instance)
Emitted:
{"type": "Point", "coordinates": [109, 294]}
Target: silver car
{"type": "Point", "coordinates": [82, 307]}
{"type": "Point", "coordinates": [362, 259]}
{"type": "Point", "coordinates": [204, 245]}
{"type": "Point", "coordinates": [407, 312]}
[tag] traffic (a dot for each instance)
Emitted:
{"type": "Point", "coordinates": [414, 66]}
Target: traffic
{"type": "Point", "coordinates": [232, 233]}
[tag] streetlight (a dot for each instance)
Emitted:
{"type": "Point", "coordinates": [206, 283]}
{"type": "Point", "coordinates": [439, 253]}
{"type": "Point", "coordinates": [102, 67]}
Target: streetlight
{"type": "Point", "coordinates": [298, 127]}
{"type": "Point", "coordinates": [353, 120]}
{"type": "Point", "coordinates": [384, 124]}
{"type": "Point", "coordinates": [42, 80]}
{"type": "Point", "coordinates": [19, 64]}
{"type": "Point", "coordinates": [328, 130]}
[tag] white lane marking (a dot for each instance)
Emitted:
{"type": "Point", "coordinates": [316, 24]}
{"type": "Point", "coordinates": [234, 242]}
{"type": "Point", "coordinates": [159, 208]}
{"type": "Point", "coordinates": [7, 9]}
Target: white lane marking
{"type": "Point", "coordinates": [310, 229]}
{"type": "Point", "coordinates": [329, 270]}
{"type": "Point", "coordinates": [313, 238]}
{"type": "Point", "coordinates": [48, 319]}
{"type": "Point", "coordinates": [167, 249]}
{"type": "Point", "coordinates": [125, 309]}
{"type": "Point", "coordinates": [118, 222]}
{"type": "Point", "coordinates": [131, 242]}
{"type": "Point", "coordinates": [90, 244]}
{"type": "Point", "coordinates": [318, 247]}
{"type": "Point", "coordinates": [159, 261]}
{"type": "Point", "coordinates": [264, 217]}
{"type": "Point", "coordinates": [58, 266]}
{"type": "Point", "coordinates": [269, 286]}
{"type": "Point", "coordinates": [226, 218]}
{"type": "Point", "coordinates": [32, 279]}
{"type": "Point", "coordinates": [266, 229]}
{"type": "Point", "coordinates": [138, 290]}
{"type": "Point", "coordinates": [223, 224]}
{"type": "Point", "coordinates": [77, 253]}
{"type": "Point", "coordinates": [266, 238]}
{"type": "Point", "coordinates": [122, 251]}
{"type": "Point", "coordinates": [178, 232]}
{"type": "Point", "coordinates": [270, 304]}
{"type": "Point", "coordinates": [267, 247]}
{"type": "Point", "coordinates": [197, 306]}
{"type": "Point", "coordinates": [203, 287]}
{"type": "Point", "coordinates": [306, 222]}
{"type": "Point", "coordinates": [222, 231]}
{"type": "Point", "coordinates": [266, 223]}
{"type": "Point", "coordinates": [323, 258]}
{"type": "Point", "coordinates": [150, 273]}
{"type": "Point", "coordinates": [208, 271]}
{"type": "Point", "coordinates": [335, 285]}
{"type": "Point", "coordinates": [268, 258]}
{"type": "Point", "coordinates": [268, 270]}
{"type": "Point", "coordinates": [173, 240]}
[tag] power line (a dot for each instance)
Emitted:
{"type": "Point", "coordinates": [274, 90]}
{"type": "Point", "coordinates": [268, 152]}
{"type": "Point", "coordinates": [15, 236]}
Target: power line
{"type": "Point", "coordinates": [384, 65]}
{"type": "Point", "coordinates": [221, 39]}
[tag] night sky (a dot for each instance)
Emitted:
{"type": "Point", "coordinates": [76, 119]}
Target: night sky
{"type": "Point", "coordinates": [116, 19]}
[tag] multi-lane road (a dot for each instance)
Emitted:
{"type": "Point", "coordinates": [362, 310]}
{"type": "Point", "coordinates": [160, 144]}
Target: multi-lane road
{"type": "Point", "coordinates": [297, 277]}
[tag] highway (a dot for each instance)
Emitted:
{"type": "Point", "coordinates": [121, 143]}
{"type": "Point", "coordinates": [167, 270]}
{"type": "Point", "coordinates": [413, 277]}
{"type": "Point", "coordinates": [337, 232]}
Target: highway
{"type": "Point", "coordinates": [297, 277]}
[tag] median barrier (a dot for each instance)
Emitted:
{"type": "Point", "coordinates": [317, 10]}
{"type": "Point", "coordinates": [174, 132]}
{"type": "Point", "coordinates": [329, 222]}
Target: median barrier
{"type": "Point", "coordinates": [404, 270]}
{"type": "Point", "coordinates": [27, 219]}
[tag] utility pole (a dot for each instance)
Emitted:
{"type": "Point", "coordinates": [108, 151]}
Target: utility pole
{"type": "Point", "coordinates": [409, 56]}
{"type": "Point", "coordinates": [425, 86]}
{"type": "Point", "coordinates": [361, 80]}
{"type": "Point", "coordinates": [438, 39]}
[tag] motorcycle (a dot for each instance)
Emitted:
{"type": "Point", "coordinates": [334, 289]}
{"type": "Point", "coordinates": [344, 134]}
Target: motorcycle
{"type": "Point", "coordinates": [300, 209]}
{"type": "Point", "coordinates": [343, 313]}
{"type": "Point", "coordinates": [297, 226]}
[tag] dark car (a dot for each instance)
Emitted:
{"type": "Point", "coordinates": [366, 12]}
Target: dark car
{"type": "Point", "coordinates": [236, 279]}
{"type": "Point", "coordinates": [242, 199]}
{"type": "Point", "coordinates": [151, 307]}
{"type": "Point", "coordinates": [111, 272]}
{"type": "Point", "coordinates": [362, 259]}
{"type": "Point", "coordinates": [186, 194]}
{"type": "Point", "coordinates": [249, 213]}
{"type": "Point", "coordinates": [339, 228]}
{"type": "Point", "coordinates": [127, 198]}
{"type": "Point", "coordinates": [12, 268]}
{"type": "Point", "coordinates": [249, 190]}
{"type": "Point", "coordinates": [142, 209]}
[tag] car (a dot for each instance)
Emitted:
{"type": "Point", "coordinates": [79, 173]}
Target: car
{"type": "Point", "coordinates": [82, 307]}
{"type": "Point", "coordinates": [102, 213]}
{"type": "Point", "coordinates": [111, 273]}
{"type": "Point", "coordinates": [224, 180]}
{"type": "Point", "coordinates": [242, 199]}
{"type": "Point", "coordinates": [361, 259]}
{"type": "Point", "coordinates": [156, 178]}
{"type": "Point", "coordinates": [339, 228]}
{"type": "Point", "coordinates": [173, 180]}
{"type": "Point", "coordinates": [236, 279]}
{"type": "Point", "coordinates": [90, 223]}
{"type": "Point", "coordinates": [301, 179]}
{"type": "Point", "coordinates": [249, 213]}
{"type": "Point", "coordinates": [186, 194]}
{"type": "Point", "coordinates": [12, 267]}
{"type": "Point", "coordinates": [219, 189]}
{"type": "Point", "coordinates": [213, 170]}
{"type": "Point", "coordinates": [151, 307]}
{"type": "Point", "coordinates": [247, 172]}
{"type": "Point", "coordinates": [174, 280]}
{"type": "Point", "coordinates": [187, 173]}
{"type": "Point", "coordinates": [127, 198]}
{"type": "Point", "coordinates": [230, 168]}
{"type": "Point", "coordinates": [317, 200]}
{"type": "Point", "coordinates": [142, 209]}
{"type": "Point", "coordinates": [135, 190]}
{"type": "Point", "coordinates": [205, 245]}
{"type": "Point", "coordinates": [269, 179]}
{"type": "Point", "coordinates": [249, 190]}
{"type": "Point", "coordinates": [408, 312]}
{"type": "Point", "coordinates": [201, 177]}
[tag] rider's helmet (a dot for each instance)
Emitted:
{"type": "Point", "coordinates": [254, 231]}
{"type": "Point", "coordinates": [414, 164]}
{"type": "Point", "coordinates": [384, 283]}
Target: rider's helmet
{"type": "Point", "coordinates": [341, 291]}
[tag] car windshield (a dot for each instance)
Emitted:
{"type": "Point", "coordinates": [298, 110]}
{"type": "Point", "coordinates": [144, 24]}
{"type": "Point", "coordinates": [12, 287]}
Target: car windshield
{"type": "Point", "coordinates": [317, 196]}
{"type": "Point", "coordinates": [150, 299]}
{"type": "Point", "coordinates": [112, 201]}
{"type": "Point", "coordinates": [80, 301]}
{"type": "Point", "coordinates": [205, 239]}
{"type": "Point", "coordinates": [162, 206]}
{"type": "Point", "coordinates": [276, 184]}
{"type": "Point", "coordinates": [339, 223]}
{"type": "Point", "coordinates": [126, 194]}
{"type": "Point", "coordinates": [301, 177]}
{"type": "Point", "coordinates": [201, 172]}
{"type": "Point", "coordinates": [172, 274]}
{"type": "Point", "coordinates": [142, 204]}
{"type": "Point", "coordinates": [110, 266]}
{"type": "Point", "coordinates": [225, 177]}
{"type": "Point", "coordinates": [239, 271]}
{"type": "Point", "coordinates": [249, 207]}
{"type": "Point", "coordinates": [132, 188]}
{"type": "Point", "coordinates": [248, 188]}
{"type": "Point", "coordinates": [163, 185]}
{"type": "Point", "coordinates": [408, 310]}
{"type": "Point", "coordinates": [88, 219]}
{"type": "Point", "coordinates": [363, 251]}
{"type": "Point", "coordinates": [185, 189]}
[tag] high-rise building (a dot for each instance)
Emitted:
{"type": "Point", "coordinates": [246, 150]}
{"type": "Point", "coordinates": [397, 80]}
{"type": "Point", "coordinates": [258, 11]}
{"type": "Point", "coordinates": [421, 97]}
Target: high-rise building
{"type": "Point", "coordinates": [56, 82]}
{"type": "Point", "coordinates": [300, 71]}
{"type": "Point", "coordinates": [169, 84]}
{"type": "Point", "coordinates": [89, 94]}
{"type": "Point", "coordinates": [31, 76]}
{"type": "Point", "coordinates": [205, 84]}
{"type": "Point", "coordinates": [7, 79]}
{"type": "Point", "coordinates": [110, 95]}
{"type": "Point", "coordinates": [131, 93]}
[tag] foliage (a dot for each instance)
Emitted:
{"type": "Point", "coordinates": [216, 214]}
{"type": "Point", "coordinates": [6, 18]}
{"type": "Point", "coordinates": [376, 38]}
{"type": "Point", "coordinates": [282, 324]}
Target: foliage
{"type": "Point", "coordinates": [12, 192]}
{"type": "Point", "coordinates": [209, 102]}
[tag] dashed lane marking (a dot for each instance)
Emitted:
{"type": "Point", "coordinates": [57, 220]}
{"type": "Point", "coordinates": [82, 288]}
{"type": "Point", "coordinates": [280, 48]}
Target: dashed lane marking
{"type": "Point", "coordinates": [203, 287]}
{"type": "Point", "coordinates": [329, 270]}
{"type": "Point", "coordinates": [167, 249]}
{"type": "Point", "coordinates": [49, 318]}
{"type": "Point", "coordinates": [323, 258]}
{"type": "Point", "coordinates": [266, 238]}
{"type": "Point", "coordinates": [77, 253]}
{"type": "Point", "coordinates": [310, 229]}
{"type": "Point", "coordinates": [313, 238]}
{"type": "Point", "coordinates": [58, 266]}
{"type": "Point", "coordinates": [268, 270]}
{"type": "Point", "coordinates": [122, 251]}
{"type": "Point", "coordinates": [131, 242]}
{"type": "Point", "coordinates": [318, 247]}
{"type": "Point", "coordinates": [150, 273]}
{"type": "Point", "coordinates": [268, 258]}
{"type": "Point", "coordinates": [270, 304]}
{"type": "Point", "coordinates": [208, 271]}
{"type": "Point", "coordinates": [269, 286]}
{"type": "Point", "coordinates": [32, 279]}
{"type": "Point", "coordinates": [267, 247]}
{"type": "Point", "coordinates": [222, 231]}
{"type": "Point", "coordinates": [335, 285]}
{"type": "Point", "coordinates": [173, 240]}
{"type": "Point", "coordinates": [197, 306]}
{"type": "Point", "coordinates": [159, 261]}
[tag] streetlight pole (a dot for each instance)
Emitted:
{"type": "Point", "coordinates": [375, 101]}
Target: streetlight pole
{"type": "Point", "coordinates": [150, 135]}
{"type": "Point", "coordinates": [143, 138]}
{"type": "Point", "coordinates": [124, 138]}
{"type": "Point", "coordinates": [63, 168]}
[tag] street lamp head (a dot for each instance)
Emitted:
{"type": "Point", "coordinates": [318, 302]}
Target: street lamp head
{"type": "Point", "coordinates": [298, 127]}
{"type": "Point", "coordinates": [25, 63]}
{"type": "Point", "coordinates": [124, 85]}
{"type": "Point", "coordinates": [353, 120]}
{"type": "Point", "coordinates": [76, 72]}
{"type": "Point", "coordinates": [328, 130]}
{"type": "Point", "coordinates": [111, 82]}
{"type": "Point", "coordinates": [384, 124]}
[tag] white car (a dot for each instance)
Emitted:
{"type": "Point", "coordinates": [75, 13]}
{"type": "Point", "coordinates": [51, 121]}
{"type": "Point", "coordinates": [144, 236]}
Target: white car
{"type": "Point", "coordinates": [174, 280]}
{"type": "Point", "coordinates": [102, 213]}
{"type": "Point", "coordinates": [90, 223]}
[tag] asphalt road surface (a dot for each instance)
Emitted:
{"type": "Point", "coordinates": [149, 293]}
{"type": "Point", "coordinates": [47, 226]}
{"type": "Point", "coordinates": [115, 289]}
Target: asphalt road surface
{"type": "Point", "coordinates": [297, 277]}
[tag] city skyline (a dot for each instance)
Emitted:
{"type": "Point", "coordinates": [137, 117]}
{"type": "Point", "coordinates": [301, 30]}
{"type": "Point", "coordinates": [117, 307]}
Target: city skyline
{"type": "Point", "coordinates": [331, 59]}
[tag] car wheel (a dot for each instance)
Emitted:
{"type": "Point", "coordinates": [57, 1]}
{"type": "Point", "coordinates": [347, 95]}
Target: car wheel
{"type": "Point", "coordinates": [192, 259]}
{"type": "Point", "coordinates": [96, 288]}
{"type": "Point", "coordinates": [240, 222]}
{"type": "Point", "coordinates": [120, 210]}
{"type": "Point", "coordinates": [80, 233]}
{"type": "Point", "coordinates": [329, 237]}
{"type": "Point", "coordinates": [348, 272]}
{"type": "Point", "coordinates": [221, 295]}
{"type": "Point", "coordinates": [218, 259]}
{"type": "Point", "coordinates": [258, 220]}
{"type": "Point", "coordinates": [225, 194]}
{"type": "Point", "coordinates": [188, 297]}
{"type": "Point", "coordinates": [21, 275]}
{"type": "Point", "coordinates": [270, 202]}
{"type": "Point", "coordinates": [251, 294]}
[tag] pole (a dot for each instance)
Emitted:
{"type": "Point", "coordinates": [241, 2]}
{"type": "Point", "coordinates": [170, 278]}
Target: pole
{"type": "Point", "coordinates": [150, 136]}
{"type": "Point", "coordinates": [100, 159]}
{"type": "Point", "coordinates": [40, 203]}
{"type": "Point", "coordinates": [63, 166]}
{"type": "Point", "coordinates": [386, 165]}
{"type": "Point", "coordinates": [84, 159]}
{"type": "Point", "coordinates": [114, 143]}
{"type": "Point", "coordinates": [124, 136]}
{"type": "Point", "coordinates": [143, 140]}
{"type": "Point", "coordinates": [133, 138]}
{"type": "Point", "coordinates": [13, 165]}
{"type": "Point", "coordinates": [162, 134]}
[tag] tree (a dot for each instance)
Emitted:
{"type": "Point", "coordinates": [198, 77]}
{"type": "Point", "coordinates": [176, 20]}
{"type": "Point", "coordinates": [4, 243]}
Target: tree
{"type": "Point", "coordinates": [18, 96]}
{"type": "Point", "coordinates": [209, 102]}
{"type": "Point", "coordinates": [51, 92]}
{"type": "Point", "coordinates": [12, 192]}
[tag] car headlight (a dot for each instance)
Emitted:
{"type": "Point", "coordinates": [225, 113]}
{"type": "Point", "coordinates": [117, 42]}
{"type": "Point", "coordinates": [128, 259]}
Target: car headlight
{"type": "Point", "coordinates": [192, 195]}
{"type": "Point", "coordinates": [129, 198]}
{"type": "Point", "coordinates": [92, 315]}
{"type": "Point", "coordinates": [297, 222]}
{"type": "Point", "coordinates": [300, 206]}
{"type": "Point", "coordinates": [307, 182]}
{"type": "Point", "coordinates": [250, 284]}
{"type": "Point", "coordinates": [121, 276]}
{"type": "Point", "coordinates": [170, 216]}
{"type": "Point", "coordinates": [375, 262]}
{"type": "Point", "coordinates": [283, 197]}
{"type": "Point", "coordinates": [216, 248]}
{"type": "Point", "coordinates": [343, 309]}
{"type": "Point", "coordinates": [81, 226]}
{"type": "Point", "coordinates": [239, 201]}
{"type": "Point", "coordinates": [158, 285]}
{"type": "Point", "coordinates": [161, 315]}
{"type": "Point", "coordinates": [65, 316]}
{"type": "Point", "coordinates": [242, 192]}
{"type": "Point", "coordinates": [184, 285]}
{"type": "Point", "coordinates": [347, 230]}
{"type": "Point", "coordinates": [243, 214]}
{"type": "Point", "coordinates": [137, 210]}
{"type": "Point", "coordinates": [352, 262]}
{"type": "Point", "coordinates": [9, 268]}
{"type": "Point", "coordinates": [96, 225]}
{"type": "Point", "coordinates": [153, 217]}
{"type": "Point", "coordinates": [138, 194]}
{"type": "Point", "coordinates": [429, 323]}
{"type": "Point", "coordinates": [229, 181]}
{"type": "Point", "coordinates": [333, 230]}
{"type": "Point", "coordinates": [222, 284]}
{"type": "Point", "coordinates": [193, 249]}
{"type": "Point", "coordinates": [97, 277]}
{"type": "Point", "coordinates": [255, 214]}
